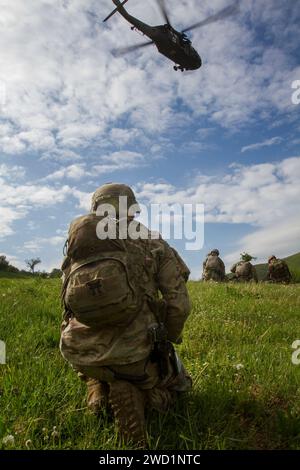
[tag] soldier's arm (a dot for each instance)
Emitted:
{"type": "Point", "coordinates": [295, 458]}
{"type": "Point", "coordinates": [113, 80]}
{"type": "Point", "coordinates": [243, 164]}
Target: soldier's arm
{"type": "Point", "coordinates": [222, 265]}
{"type": "Point", "coordinates": [174, 291]}
{"type": "Point", "coordinates": [233, 268]}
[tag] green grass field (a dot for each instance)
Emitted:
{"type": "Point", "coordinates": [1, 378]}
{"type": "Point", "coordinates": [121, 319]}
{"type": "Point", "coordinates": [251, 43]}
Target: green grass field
{"type": "Point", "coordinates": [237, 347]}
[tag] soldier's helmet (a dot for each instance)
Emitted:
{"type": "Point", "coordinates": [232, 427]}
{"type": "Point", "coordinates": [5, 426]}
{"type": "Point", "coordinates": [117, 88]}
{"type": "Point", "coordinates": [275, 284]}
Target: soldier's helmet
{"type": "Point", "coordinates": [111, 192]}
{"type": "Point", "coordinates": [273, 257]}
{"type": "Point", "coordinates": [215, 252]}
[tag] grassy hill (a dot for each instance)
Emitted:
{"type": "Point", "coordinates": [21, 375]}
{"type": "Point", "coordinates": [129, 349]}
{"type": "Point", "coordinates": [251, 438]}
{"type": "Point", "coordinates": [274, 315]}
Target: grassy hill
{"type": "Point", "coordinates": [293, 262]}
{"type": "Point", "coordinates": [237, 347]}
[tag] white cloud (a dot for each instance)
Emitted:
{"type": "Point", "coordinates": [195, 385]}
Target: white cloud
{"type": "Point", "coordinates": [65, 91]}
{"type": "Point", "coordinates": [73, 172]}
{"type": "Point", "coordinates": [84, 199]}
{"type": "Point", "coordinates": [17, 200]}
{"type": "Point", "coordinates": [8, 216]}
{"type": "Point", "coordinates": [110, 163]}
{"type": "Point", "coordinates": [39, 243]}
{"type": "Point", "coordinates": [255, 194]}
{"type": "Point", "coordinates": [32, 195]}
{"type": "Point", "coordinates": [265, 143]}
{"type": "Point", "coordinates": [265, 196]}
{"type": "Point", "coordinates": [123, 136]}
{"type": "Point", "coordinates": [13, 172]}
{"type": "Point", "coordinates": [130, 158]}
{"type": "Point", "coordinates": [62, 155]}
{"type": "Point", "coordinates": [281, 237]}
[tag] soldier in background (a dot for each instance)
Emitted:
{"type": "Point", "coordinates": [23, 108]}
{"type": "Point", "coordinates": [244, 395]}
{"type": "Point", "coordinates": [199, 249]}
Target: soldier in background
{"type": "Point", "coordinates": [126, 303]}
{"type": "Point", "coordinates": [213, 267]}
{"type": "Point", "coordinates": [243, 270]}
{"type": "Point", "coordinates": [278, 271]}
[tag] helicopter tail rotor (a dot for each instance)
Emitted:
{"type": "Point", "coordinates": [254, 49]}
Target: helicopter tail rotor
{"type": "Point", "coordinates": [115, 10]}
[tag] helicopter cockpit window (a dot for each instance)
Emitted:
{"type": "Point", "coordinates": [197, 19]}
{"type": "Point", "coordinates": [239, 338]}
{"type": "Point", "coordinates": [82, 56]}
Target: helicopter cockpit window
{"type": "Point", "coordinates": [174, 37]}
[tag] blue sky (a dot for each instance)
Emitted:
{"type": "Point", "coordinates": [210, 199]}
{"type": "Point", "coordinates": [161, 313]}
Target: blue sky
{"type": "Point", "coordinates": [73, 117]}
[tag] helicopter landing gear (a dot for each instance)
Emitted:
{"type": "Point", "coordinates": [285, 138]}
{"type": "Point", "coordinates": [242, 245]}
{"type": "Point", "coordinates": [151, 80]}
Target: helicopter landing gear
{"type": "Point", "coordinates": [178, 67]}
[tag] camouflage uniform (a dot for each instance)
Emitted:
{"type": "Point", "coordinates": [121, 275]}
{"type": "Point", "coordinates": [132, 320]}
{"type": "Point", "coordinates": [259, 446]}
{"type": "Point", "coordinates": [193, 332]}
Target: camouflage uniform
{"type": "Point", "coordinates": [244, 271]}
{"type": "Point", "coordinates": [278, 271]}
{"type": "Point", "coordinates": [117, 363]}
{"type": "Point", "coordinates": [213, 267]}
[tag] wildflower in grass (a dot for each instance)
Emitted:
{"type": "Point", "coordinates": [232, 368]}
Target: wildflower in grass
{"type": "Point", "coordinates": [54, 433]}
{"type": "Point", "coordinates": [239, 366]}
{"type": "Point", "coordinates": [8, 440]}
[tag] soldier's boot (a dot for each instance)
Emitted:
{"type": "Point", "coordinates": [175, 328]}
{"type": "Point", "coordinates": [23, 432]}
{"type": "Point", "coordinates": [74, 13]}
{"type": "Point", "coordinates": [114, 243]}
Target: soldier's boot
{"type": "Point", "coordinates": [160, 399]}
{"type": "Point", "coordinates": [97, 395]}
{"type": "Point", "coordinates": [128, 405]}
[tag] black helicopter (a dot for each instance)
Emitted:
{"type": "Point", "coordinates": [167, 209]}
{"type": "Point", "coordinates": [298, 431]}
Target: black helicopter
{"type": "Point", "coordinates": [173, 44]}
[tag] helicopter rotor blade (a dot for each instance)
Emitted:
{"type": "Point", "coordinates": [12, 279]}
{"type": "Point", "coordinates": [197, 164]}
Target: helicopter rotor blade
{"type": "Point", "coordinates": [225, 13]}
{"type": "Point", "coordinates": [126, 50]}
{"type": "Point", "coordinates": [163, 10]}
{"type": "Point", "coordinates": [115, 10]}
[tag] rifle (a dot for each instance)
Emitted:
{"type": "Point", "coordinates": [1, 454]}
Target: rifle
{"type": "Point", "coordinates": [163, 351]}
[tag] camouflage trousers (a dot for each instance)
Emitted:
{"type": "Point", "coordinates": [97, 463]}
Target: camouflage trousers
{"type": "Point", "coordinates": [159, 393]}
{"type": "Point", "coordinates": [280, 281]}
{"type": "Point", "coordinates": [243, 279]}
{"type": "Point", "coordinates": [212, 275]}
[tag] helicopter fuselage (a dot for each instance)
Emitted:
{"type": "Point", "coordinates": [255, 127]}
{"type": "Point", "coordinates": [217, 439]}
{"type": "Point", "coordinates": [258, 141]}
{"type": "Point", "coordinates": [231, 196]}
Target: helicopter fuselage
{"type": "Point", "coordinates": [169, 42]}
{"type": "Point", "coordinates": [176, 47]}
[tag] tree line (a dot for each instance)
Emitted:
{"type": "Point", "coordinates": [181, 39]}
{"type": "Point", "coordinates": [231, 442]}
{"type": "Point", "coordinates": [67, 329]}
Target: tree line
{"type": "Point", "coordinates": [7, 267]}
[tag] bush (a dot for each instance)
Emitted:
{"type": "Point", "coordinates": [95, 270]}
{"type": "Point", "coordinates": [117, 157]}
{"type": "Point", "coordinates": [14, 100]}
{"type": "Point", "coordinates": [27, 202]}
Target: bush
{"type": "Point", "coordinates": [12, 269]}
{"type": "Point", "coordinates": [3, 263]}
{"type": "Point", "coordinates": [56, 273]}
{"type": "Point", "coordinates": [6, 267]}
{"type": "Point", "coordinates": [295, 275]}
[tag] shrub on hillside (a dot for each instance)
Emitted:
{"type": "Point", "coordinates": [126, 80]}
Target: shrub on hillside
{"type": "Point", "coordinates": [5, 266]}
{"type": "Point", "coordinates": [295, 275]}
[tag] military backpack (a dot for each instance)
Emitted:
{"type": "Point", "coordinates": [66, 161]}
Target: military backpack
{"type": "Point", "coordinates": [99, 288]}
{"type": "Point", "coordinates": [279, 269]}
{"type": "Point", "coordinates": [244, 269]}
